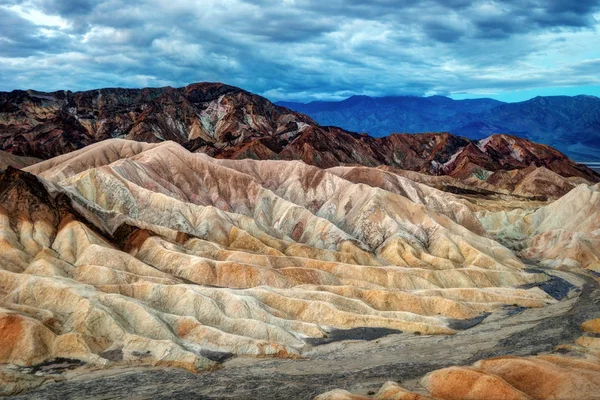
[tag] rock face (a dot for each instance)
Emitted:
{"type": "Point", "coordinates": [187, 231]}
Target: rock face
{"type": "Point", "coordinates": [227, 122]}
{"type": "Point", "coordinates": [565, 233]}
{"type": "Point", "coordinates": [49, 124]}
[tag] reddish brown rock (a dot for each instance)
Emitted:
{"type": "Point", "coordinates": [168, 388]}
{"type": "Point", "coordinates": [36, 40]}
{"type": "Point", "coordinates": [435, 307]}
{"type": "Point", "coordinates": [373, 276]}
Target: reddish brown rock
{"type": "Point", "coordinates": [227, 122]}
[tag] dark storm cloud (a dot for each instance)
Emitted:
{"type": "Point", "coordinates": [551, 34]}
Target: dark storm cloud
{"type": "Point", "coordinates": [18, 37]}
{"type": "Point", "coordinates": [512, 17]}
{"type": "Point", "coordinates": [443, 32]}
{"type": "Point", "coordinates": [68, 7]}
{"type": "Point", "coordinates": [299, 49]}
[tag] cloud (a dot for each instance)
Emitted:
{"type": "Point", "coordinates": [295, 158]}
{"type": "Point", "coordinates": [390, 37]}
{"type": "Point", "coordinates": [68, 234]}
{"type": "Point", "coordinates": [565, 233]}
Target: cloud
{"type": "Point", "coordinates": [301, 49]}
{"type": "Point", "coordinates": [21, 37]}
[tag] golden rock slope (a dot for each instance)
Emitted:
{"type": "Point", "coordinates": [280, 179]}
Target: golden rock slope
{"type": "Point", "coordinates": [564, 234]}
{"type": "Point", "coordinates": [7, 159]}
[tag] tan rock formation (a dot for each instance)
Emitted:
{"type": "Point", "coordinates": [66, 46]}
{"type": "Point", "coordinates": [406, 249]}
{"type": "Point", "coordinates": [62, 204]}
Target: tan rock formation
{"type": "Point", "coordinates": [565, 233]}
{"type": "Point", "coordinates": [10, 160]}
{"type": "Point", "coordinates": [125, 252]}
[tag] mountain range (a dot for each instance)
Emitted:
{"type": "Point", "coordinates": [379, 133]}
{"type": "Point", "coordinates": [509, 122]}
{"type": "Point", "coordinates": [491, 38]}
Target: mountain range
{"type": "Point", "coordinates": [227, 122]}
{"type": "Point", "coordinates": [569, 124]}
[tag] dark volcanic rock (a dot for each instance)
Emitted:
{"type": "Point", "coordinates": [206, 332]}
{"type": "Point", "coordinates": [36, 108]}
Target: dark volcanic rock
{"type": "Point", "coordinates": [49, 124]}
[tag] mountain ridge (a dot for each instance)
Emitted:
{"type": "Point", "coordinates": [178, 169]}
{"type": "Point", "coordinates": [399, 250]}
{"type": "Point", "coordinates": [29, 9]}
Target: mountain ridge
{"type": "Point", "coordinates": [228, 122]}
{"type": "Point", "coordinates": [569, 123]}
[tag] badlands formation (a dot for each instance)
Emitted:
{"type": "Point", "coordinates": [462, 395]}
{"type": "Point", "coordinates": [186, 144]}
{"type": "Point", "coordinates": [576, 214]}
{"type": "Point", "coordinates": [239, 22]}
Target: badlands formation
{"type": "Point", "coordinates": [126, 254]}
{"type": "Point", "coordinates": [218, 246]}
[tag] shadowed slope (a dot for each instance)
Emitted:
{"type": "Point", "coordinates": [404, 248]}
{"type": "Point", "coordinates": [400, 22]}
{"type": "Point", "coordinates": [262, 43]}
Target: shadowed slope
{"type": "Point", "coordinates": [10, 160]}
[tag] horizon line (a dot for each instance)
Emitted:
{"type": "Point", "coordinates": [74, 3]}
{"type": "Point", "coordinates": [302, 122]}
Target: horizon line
{"type": "Point", "coordinates": [461, 96]}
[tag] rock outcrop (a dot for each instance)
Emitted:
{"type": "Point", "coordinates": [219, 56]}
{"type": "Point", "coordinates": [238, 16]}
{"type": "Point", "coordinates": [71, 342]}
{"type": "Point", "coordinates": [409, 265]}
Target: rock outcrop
{"type": "Point", "coordinates": [10, 160]}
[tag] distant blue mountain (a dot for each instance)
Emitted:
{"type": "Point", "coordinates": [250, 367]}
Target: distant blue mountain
{"type": "Point", "coordinates": [569, 124]}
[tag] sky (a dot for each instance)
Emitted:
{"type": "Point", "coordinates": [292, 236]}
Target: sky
{"type": "Point", "coordinates": [304, 50]}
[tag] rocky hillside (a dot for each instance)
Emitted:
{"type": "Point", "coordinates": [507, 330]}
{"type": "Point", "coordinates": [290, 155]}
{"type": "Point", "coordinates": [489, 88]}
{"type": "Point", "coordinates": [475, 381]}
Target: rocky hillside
{"type": "Point", "coordinates": [215, 115]}
{"type": "Point", "coordinates": [206, 237]}
{"type": "Point", "coordinates": [227, 122]}
{"type": "Point", "coordinates": [209, 258]}
{"type": "Point", "coordinates": [7, 159]}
